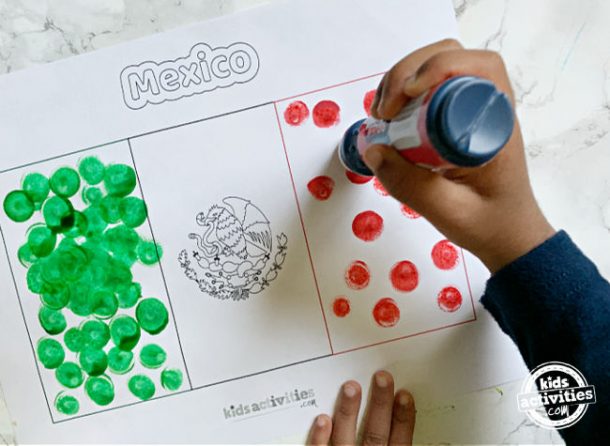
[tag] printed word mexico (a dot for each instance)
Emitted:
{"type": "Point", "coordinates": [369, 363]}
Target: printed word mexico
{"type": "Point", "coordinates": [204, 69]}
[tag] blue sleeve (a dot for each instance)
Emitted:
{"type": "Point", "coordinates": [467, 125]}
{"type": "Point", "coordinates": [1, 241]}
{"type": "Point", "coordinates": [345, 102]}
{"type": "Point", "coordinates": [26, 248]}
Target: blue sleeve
{"type": "Point", "coordinates": [555, 306]}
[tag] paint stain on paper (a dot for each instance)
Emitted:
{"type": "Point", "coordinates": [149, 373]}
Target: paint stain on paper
{"type": "Point", "coordinates": [408, 212]}
{"type": "Point", "coordinates": [367, 102]}
{"type": "Point", "coordinates": [386, 313]}
{"type": "Point", "coordinates": [355, 178]}
{"type": "Point", "coordinates": [449, 299]}
{"type": "Point", "coordinates": [296, 113]}
{"type": "Point", "coordinates": [341, 306]}
{"type": "Point", "coordinates": [326, 114]}
{"type": "Point", "coordinates": [321, 187]}
{"type": "Point", "coordinates": [367, 226]}
{"type": "Point", "coordinates": [445, 255]}
{"type": "Point", "coordinates": [379, 188]}
{"type": "Point", "coordinates": [357, 275]}
{"type": "Point", "coordinates": [404, 276]}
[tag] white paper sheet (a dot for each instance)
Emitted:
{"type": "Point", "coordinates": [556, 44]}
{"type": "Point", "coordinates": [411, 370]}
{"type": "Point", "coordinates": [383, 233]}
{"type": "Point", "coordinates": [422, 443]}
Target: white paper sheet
{"type": "Point", "coordinates": [252, 263]}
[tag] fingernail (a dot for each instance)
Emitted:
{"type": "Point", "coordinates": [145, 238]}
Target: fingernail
{"type": "Point", "coordinates": [373, 158]}
{"type": "Point", "coordinates": [320, 421]}
{"type": "Point", "coordinates": [349, 390]}
{"type": "Point", "coordinates": [403, 399]}
{"type": "Point", "coordinates": [381, 380]}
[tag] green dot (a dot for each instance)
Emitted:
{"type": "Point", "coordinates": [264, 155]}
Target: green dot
{"type": "Point", "coordinates": [18, 206]}
{"type": "Point", "coordinates": [111, 208]}
{"type": "Point", "coordinates": [96, 223]}
{"type": "Point", "coordinates": [152, 315]}
{"type": "Point", "coordinates": [125, 332]}
{"type": "Point", "coordinates": [95, 334]}
{"type": "Point", "coordinates": [58, 214]}
{"type": "Point", "coordinates": [36, 186]}
{"type": "Point", "coordinates": [92, 170]}
{"type": "Point", "coordinates": [152, 356]}
{"type": "Point", "coordinates": [52, 321]}
{"type": "Point", "coordinates": [133, 211]}
{"type": "Point", "coordinates": [66, 404]}
{"type": "Point", "coordinates": [129, 295]}
{"type": "Point", "coordinates": [34, 278]}
{"type": "Point", "coordinates": [106, 304]}
{"type": "Point", "coordinates": [171, 379]}
{"type": "Point", "coordinates": [69, 375]}
{"type": "Point", "coordinates": [81, 302]}
{"type": "Point", "coordinates": [65, 182]}
{"type": "Point", "coordinates": [50, 353]}
{"type": "Point", "coordinates": [119, 180]}
{"type": "Point", "coordinates": [92, 195]}
{"type": "Point", "coordinates": [93, 361]}
{"type": "Point", "coordinates": [74, 340]}
{"type": "Point", "coordinates": [120, 361]}
{"type": "Point", "coordinates": [26, 256]}
{"type": "Point", "coordinates": [56, 299]}
{"type": "Point", "coordinates": [41, 240]}
{"type": "Point", "coordinates": [141, 386]}
{"type": "Point", "coordinates": [80, 226]}
{"type": "Point", "coordinates": [100, 389]}
{"type": "Point", "coordinates": [149, 253]}
{"type": "Point", "coordinates": [121, 238]}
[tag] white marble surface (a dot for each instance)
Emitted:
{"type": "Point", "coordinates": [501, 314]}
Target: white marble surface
{"type": "Point", "coordinates": [558, 55]}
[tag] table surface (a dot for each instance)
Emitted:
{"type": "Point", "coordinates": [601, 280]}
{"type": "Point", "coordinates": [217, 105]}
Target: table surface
{"type": "Point", "coordinates": [557, 54]}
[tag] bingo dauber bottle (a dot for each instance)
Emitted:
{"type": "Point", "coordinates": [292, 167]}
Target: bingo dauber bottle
{"type": "Point", "coordinates": [463, 122]}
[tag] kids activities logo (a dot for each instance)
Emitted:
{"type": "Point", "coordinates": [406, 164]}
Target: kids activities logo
{"type": "Point", "coordinates": [294, 398]}
{"type": "Point", "coordinates": [555, 395]}
{"type": "Point", "coordinates": [204, 69]}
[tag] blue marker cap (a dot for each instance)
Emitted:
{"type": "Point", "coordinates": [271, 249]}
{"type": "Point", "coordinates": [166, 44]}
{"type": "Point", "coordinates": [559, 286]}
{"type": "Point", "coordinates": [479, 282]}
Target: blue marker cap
{"type": "Point", "coordinates": [469, 121]}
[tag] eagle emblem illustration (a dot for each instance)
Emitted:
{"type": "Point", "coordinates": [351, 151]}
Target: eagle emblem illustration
{"type": "Point", "coordinates": [234, 254]}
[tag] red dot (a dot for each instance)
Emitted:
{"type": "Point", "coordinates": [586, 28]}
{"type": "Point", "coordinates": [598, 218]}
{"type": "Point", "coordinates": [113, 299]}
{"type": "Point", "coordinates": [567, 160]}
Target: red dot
{"type": "Point", "coordinates": [369, 97]}
{"type": "Point", "coordinates": [296, 113]}
{"type": "Point", "coordinates": [367, 226]}
{"type": "Point", "coordinates": [321, 187]}
{"type": "Point", "coordinates": [408, 212]}
{"type": "Point", "coordinates": [357, 179]}
{"type": "Point", "coordinates": [326, 114]}
{"type": "Point", "coordinates": [404, 276]}
{"type": "Point", "coordinates": [341, 306]}
{"type": "Point", "coordinates": [449, 299]}
{"type": "Point", "coordinates": [386, 313]}
{"type": "Point", "coordinates": [379, 188]}
{"type": "Point", "coordinates": [357, 275]}
{"type": "Point", "coordinates": [445, 255]}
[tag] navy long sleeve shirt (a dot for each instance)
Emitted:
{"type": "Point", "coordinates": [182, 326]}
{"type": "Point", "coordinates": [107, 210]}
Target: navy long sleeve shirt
{"type": "Point", "coordinates": [555, 306]}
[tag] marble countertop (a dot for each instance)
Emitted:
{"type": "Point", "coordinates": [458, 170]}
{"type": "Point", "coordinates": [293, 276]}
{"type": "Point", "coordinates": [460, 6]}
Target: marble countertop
{"type": "Point", "coordinates": [558, 55]}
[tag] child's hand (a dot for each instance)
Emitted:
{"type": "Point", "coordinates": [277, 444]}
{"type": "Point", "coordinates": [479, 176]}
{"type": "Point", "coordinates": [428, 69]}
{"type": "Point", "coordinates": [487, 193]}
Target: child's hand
{"type": "Point", "coordinates": [490, 210]}
{"type": "Point", "coordinates": [389, 419]}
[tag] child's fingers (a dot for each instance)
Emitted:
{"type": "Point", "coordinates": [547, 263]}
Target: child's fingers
{"type": "Point", "coordinates": [391, 98]}
{"type": "Point", "coordinates": [403, 420]}
{"type": "Point", "coordinates": [319, 434]}
{"type": "Point", "coordinates": [346, 414]}
{"type": "Point", "coordinates": [378, 420]}
{"type": "Point", "coordinates": [458, 62]}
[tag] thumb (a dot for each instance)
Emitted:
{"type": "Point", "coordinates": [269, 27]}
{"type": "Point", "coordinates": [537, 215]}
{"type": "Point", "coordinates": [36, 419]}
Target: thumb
{"type": "Point", "coordinates": [425, 191]}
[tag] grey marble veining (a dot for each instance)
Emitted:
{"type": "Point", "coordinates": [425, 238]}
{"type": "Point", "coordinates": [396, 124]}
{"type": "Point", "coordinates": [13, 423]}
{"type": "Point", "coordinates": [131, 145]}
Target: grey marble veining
{"type": "Point", "coordinates": [557, 53]}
